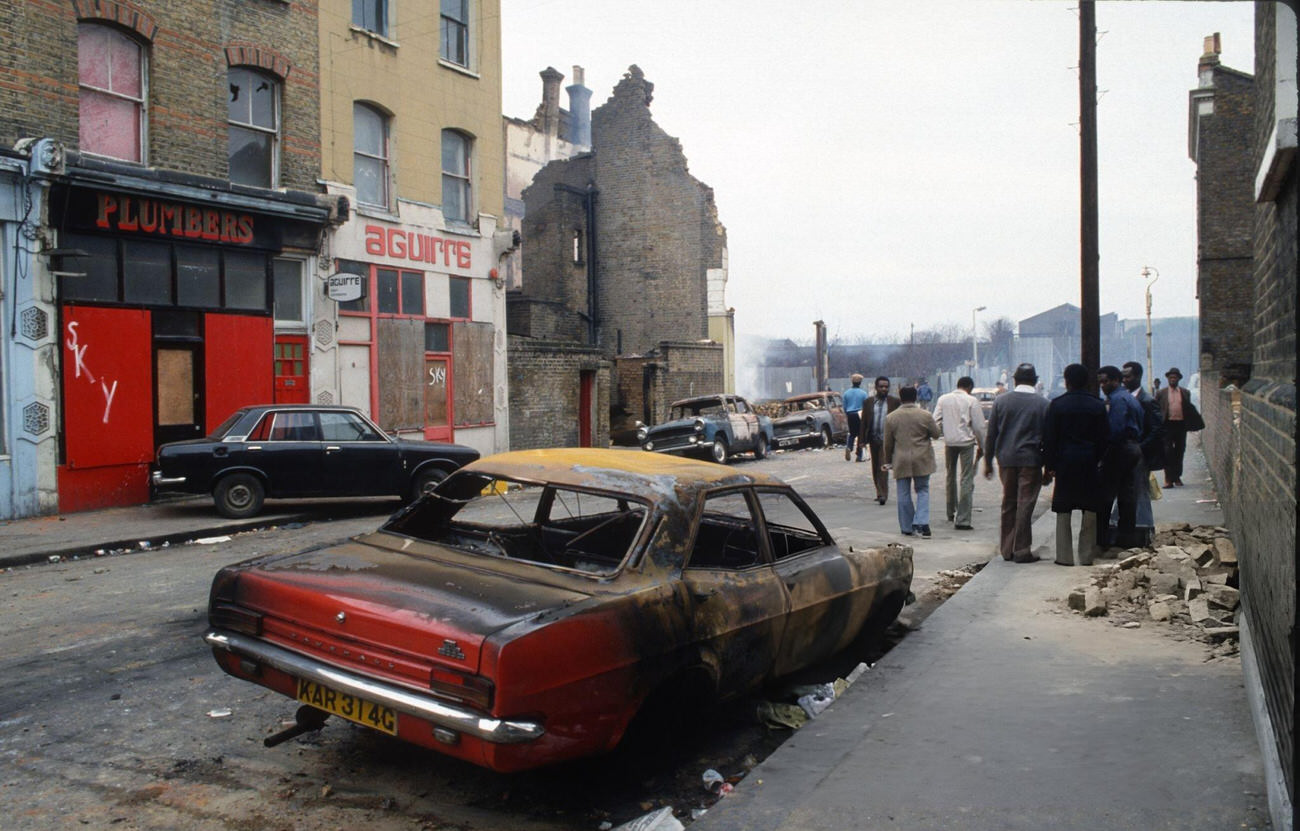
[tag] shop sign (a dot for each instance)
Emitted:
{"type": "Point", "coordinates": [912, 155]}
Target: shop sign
{"type": "Point", "coordinates": [400, 244]}
{"type": "Point", "coordinates": [344, 288]}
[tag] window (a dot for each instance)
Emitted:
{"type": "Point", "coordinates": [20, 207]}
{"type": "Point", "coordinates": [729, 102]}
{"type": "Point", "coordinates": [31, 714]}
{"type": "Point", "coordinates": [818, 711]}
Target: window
{"type": "Point", "coordinates": [147, 273]}
{"type": "Point", "coordinates": [254, 131]}
{"type": "Point", "coordinates": [346, 427]}
{"type": "Point", "coordinates": [437, 337]}
{"type": "Point", "coordinates": [111, 73]}
{"type": "Point", "coordinates": [458, 288]}
{"type": "Point", "coordinates": [790, 528]}
{"type": "Point", "coordinates": [399, 292]}
{"type": "Point", "coordinates": [725, 538]}
{"type": "Point", "coordinates": [371, 15]}
{"type": "Point", "coordinates": [288, 290]}
{"type": "Point", "coordinates": [198, 276]}
{"type": "Point", "coordinates": [245, 280]}
{"type": "Point", "coordinates": [294, 426]}
{"type": "Point", "coordinates": [370, 155]}
{"type": "Point", "coordinates": [455, 32]}
{"type": "Point", "coordinates": [362, 303]}
{"type": "Point", "coordinates": [455, 176]}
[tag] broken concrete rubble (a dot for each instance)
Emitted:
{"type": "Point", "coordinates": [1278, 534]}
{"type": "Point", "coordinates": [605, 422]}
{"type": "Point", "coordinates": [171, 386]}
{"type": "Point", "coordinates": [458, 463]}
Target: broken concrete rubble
{"type": "Point", "coordinates": [1187, 579]}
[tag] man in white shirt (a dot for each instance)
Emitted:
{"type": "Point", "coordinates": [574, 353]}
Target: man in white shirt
{"type": "Point", "coordinates": [961, 419]}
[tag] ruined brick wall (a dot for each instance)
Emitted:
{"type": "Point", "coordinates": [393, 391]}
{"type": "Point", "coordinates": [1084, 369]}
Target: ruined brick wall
{"type": "Point", "coordinates": [545, 384]}
{"type": "Point", "coordinates": [1225, 178]}
{"type": "Point", "coordinates": [188, 62]}
{"type": "Point", "coordinates": [551, 272]}
{"type": "Point", "coordinates": [657, 230]}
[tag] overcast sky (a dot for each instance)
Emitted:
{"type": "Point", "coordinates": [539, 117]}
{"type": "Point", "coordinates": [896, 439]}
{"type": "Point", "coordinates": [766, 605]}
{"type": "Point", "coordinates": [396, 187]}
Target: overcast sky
{"type": "Point", "coordinates": [886, 163]}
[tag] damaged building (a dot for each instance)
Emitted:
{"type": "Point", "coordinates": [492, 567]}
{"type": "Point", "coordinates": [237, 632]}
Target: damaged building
{"type": "Point", "coordinates": [620, 306]}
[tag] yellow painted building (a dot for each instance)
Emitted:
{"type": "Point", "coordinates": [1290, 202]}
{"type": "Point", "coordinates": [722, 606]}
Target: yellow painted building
{"type": "Point", "coordinates": [409, 321]}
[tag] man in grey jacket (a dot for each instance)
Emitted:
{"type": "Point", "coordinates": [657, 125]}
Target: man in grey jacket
{"type": "Point", "coordinates": [1015, 439]}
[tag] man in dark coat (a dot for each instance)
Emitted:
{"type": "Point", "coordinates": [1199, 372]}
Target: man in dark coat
{"type": "Point", "coordinates": [1176, 409]}
{"type": "Point", "coordinates": [1015, 440]}
{"type": "Point", "coordinates": [874, 410]}
{"type": "Point", "coordinates": [1074, 439]}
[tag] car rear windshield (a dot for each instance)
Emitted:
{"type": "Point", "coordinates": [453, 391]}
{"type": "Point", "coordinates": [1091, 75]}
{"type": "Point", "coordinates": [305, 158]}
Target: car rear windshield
{"type": "Point", "coordinates": [587, 531]}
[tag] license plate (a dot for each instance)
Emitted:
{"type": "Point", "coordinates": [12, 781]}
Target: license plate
{"type": "Point", "coordinates": [350, 707]}
{"type": "Point", "coordinates": [786, 442]}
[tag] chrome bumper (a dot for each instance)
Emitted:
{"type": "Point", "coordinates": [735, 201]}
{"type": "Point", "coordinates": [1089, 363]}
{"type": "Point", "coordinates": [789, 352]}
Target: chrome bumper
{"type": "Point", "coordinates": [159, 482]}
{"type": "Point", "coordinates": [440, 713]}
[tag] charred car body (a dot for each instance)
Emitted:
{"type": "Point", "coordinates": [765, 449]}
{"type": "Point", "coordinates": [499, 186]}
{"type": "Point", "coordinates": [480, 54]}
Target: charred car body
{"type": "Point", "coordinates": [535, 602]}
{"type": "Point", "coordinates": [712, 426]}
{"type": "Point", "coordinates": [815, 418]}
{"type": "Point", "coordinates": [297, 450]}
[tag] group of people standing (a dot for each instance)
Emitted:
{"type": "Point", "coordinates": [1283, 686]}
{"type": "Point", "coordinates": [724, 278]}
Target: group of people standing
{"type": "Point", "coordinates": [1100, 451]}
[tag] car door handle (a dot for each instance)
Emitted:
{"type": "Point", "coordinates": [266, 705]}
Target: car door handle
{"type": "Point", "coordinates": [332, 448]}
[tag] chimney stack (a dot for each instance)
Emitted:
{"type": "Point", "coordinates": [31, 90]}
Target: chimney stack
{"type": "Point", "coordinates": [1209, 60]}
{"type": "Point", "coordinates": [550, 109]}
{"type": "Point", "coordinates": [579, 109]}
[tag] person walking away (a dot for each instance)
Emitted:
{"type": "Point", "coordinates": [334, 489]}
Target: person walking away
{"type": "Point", "coordinates": [1179, 417]}
{"type": "Point", "coordinates": [874, 412]}
{"type": "Point", "coordinates": [854, 397]}
{"type": "Point", "coordinates": [1015, 439]}
{"type": "Point", "coordinates": [1122, 457]}
{"type": "Point", "coordinates": [924, 395]}
{"type": "Point", "coordinates": [961, 420]}
{"type": "Point", "coordinates": [1151, 442]}
{"type": "Point", "coordinates": [909, 454]}
{"type": "Point", "coordinates": [1075, 436]}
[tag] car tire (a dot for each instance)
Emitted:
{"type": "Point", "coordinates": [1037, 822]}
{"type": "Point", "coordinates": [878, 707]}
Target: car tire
{"type": "Point", "coordinates": [760, 447]}
{"type": "Point", "coordinates": [425, 481]}
{"type": "Point", "coordinates": [827, 439]}
{"type": "Point", "coordinates": [719, 452]}
{"type": "Point", "coordinates": [239, 495]}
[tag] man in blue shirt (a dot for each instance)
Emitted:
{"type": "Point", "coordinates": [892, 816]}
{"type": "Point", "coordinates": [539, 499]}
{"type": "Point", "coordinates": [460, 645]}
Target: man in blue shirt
{"type": "Point", "coordinates": [924, 395]}
{"type": "Point", "coordinates": [1124, 416]}
{"type": "Point", "coordinates": [854, 397]}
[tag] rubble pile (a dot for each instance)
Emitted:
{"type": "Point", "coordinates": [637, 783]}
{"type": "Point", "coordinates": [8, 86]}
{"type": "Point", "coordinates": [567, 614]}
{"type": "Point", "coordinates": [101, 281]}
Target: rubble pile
{"type": "Point", "coordinates": [1186, 578]}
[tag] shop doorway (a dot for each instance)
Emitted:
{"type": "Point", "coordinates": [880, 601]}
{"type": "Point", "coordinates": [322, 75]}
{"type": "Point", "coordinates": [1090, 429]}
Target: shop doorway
{"type": "Point", "coordinates": [291, 369]}
{"type": "Point", "coordinates": [178, 376]}
{"type": "Point", "coordinates": [437, 397]}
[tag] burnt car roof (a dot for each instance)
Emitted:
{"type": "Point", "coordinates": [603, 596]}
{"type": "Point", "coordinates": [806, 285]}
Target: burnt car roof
{"type": "Point", "coordinates": [807, 396]}
{"type": "Point", "coordinates": [633, 472]}
{"type": "Point", "coordinates": [695, 398]}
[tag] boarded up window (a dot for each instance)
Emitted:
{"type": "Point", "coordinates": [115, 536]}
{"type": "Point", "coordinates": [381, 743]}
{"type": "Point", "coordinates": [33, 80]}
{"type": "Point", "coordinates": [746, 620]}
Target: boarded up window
{"type": "Point", "coordinates": [471, 345]}
{"type": "Point", "coordinates": [175, 386]}
{"type": "Point", "coordinates": [401, 368]}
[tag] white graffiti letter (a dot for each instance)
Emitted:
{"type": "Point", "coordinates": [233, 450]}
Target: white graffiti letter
{"type": "Point", "coordinates": [78, 352]}
{"type": "Point", "coordinates": [109, 392]}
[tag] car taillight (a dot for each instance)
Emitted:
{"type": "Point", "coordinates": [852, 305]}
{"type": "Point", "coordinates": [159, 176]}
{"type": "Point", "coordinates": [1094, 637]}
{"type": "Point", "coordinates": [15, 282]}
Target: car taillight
{"type": "Point", "coordinates": [474, 690]}
{"type": "Point", "coordinates": [222, 616]}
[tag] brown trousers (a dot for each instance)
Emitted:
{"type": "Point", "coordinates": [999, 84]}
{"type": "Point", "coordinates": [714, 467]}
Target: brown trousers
{"type": "Point", "coordinates": [1020, 487]}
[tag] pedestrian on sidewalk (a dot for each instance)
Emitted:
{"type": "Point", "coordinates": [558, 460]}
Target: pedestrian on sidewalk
{"type": "Point", "coordinates": [961, 420]}
{"type": "Point", "coordinates": [1015, 439]}
{"type": "Point", "coordinates": [1180, 417]}
{"type": "Point", "coordinates": [854, 397]}
{"type": "Point", "coordinates": [909, 454]}
{"type": "Point", "coordinates": [1075, 436]}
{"type": "Point", "coordinates": [1151, 443]}
{"type": "Point", "coordinates": [924, 395]}
{"type": "Point", "coordinates": [1122, 458]}
{"type": "Point", "coordinates": [874, 412]}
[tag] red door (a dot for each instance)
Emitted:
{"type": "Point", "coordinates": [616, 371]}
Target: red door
{"type": "Point", "coordinates": [437, 397]}
{"type": "Point", "coordinates": [291, 369]}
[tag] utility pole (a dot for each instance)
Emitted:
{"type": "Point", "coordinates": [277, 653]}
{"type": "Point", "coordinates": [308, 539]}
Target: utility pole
{"type": "Point", "coordinates": [1090, 256]}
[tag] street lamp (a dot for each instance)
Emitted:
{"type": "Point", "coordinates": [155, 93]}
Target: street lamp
{"type": "Point", "coordinates": [1146, 274]}
{"type": "Point", "coordinates": [974, 341]}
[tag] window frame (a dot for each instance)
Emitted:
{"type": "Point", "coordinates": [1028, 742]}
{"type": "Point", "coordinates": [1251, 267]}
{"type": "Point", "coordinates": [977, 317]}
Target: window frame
{"type": "Point", "coordinates": [382, 10]}
{"type": "Point", "coordinates": [462, 178]}
{"type": "Point", "coordinates": [141, 103]}
{"type": "Point", "coordinates": [299, 323]}
{"type": "Point", "coordinates": [384, 161]}
{"type": "Point", "coordinates": [277, 91]}
{"type": "Point", "coordinates": [448, 23]}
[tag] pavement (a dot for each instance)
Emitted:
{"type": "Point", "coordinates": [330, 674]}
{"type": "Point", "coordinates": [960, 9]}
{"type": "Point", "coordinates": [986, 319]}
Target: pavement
{"type": "Point", "coordinates": [1003, 710]}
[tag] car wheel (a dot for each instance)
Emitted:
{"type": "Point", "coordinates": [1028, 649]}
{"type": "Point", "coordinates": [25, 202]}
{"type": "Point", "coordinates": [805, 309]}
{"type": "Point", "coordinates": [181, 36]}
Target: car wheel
{"type": "Point", "coordinates": [760, 448]}
{"type": "Point", "coordinates": [426, 481]}
{"type": "Point", "coordinates": [719, 452]}
{"type": "Point", "coordinates": [827, 440]}
{"type": "Point", "coordinates": [239, 495]}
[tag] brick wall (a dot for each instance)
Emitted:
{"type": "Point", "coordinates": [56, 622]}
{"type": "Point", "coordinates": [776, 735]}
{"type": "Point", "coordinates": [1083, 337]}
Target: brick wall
{"type": "Point", "coordinates": [545, 380]}
{"type": "Point", "coordinates": [551, 276]}
{"type": "Point", "coordinates": [187, 76]}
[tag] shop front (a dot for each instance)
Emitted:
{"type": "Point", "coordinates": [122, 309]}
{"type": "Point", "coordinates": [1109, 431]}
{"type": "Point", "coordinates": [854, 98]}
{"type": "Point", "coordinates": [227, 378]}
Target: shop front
{"type": "Point", "coordinates": [169, 298]}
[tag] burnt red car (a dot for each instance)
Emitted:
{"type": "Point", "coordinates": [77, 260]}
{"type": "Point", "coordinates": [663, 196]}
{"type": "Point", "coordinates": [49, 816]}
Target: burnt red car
{"type": "Point", "coordinates": [529, 607]}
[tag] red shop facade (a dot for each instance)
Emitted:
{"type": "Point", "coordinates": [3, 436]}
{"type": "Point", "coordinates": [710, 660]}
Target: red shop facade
{"type": "Point", "coordinates": [168, 297]}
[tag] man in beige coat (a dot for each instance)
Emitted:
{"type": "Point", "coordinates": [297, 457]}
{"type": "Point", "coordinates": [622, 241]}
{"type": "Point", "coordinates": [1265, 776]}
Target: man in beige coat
{"type": "Point", "coordinates": [909, 454]}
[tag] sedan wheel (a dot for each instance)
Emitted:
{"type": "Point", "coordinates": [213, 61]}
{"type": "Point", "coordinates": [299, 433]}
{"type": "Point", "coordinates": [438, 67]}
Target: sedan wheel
{"type": "Point", "coordinates": [760, 448]}
{"type": "Point", "coordinates": [239, 495]}
{"type": "Point", "coordinates": [425, 482]}
{"type": "Point", "coordinates": [719, 451]}
{"type": "Point", "coordinates": [826, 436]}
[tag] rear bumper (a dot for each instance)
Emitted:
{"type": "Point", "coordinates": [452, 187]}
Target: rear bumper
{"type": "Point", "coordinates": [164, 483]}
{"type": "Point", "coordinates": [441, 713]}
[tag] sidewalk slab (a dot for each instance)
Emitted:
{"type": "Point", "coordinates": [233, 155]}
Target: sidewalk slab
{"type": "Point", "coordinates": [1008, 711]}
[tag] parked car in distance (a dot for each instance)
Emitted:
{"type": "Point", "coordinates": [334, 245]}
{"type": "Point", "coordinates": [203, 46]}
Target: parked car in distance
{"type": "Point", "coordinates": [299, 450]}
{"type": "Point", "coordinates": [531, 606]}
{"type": "Point", "coordinates": [985, 396]}
{"type": "Point", "coordinates": [815, 418]}
{"type": "Point", "coordinates": [713, 426]}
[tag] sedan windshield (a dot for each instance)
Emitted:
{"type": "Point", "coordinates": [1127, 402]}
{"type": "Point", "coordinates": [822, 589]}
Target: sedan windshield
{"type": "Point", "coordinates": [558, 527]}
{"type": "Point", "coordinates": [695, 408]}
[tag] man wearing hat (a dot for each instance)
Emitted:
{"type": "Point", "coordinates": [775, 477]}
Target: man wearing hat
{"type": "Point", "coordinates": [854, 397]}
{"type": "Point", "coordinates": [1177, 410]}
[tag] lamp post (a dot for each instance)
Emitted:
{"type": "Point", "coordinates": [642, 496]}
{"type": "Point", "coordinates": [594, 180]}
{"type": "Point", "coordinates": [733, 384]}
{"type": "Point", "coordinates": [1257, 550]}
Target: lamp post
{"type": "Point", "coordinates": [974, 341]}
{"type": "Point", "coordinates": [1146, 274]}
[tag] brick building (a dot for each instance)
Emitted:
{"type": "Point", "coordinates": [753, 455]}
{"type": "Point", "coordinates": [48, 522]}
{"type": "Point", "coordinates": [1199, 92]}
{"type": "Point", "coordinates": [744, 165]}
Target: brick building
{"type": "Point", "coordinates": [163, 215]}
{"type": "Point", "coordinates": [623, 251]}
{"type": "Point", "coordinates": [1243, 139]}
